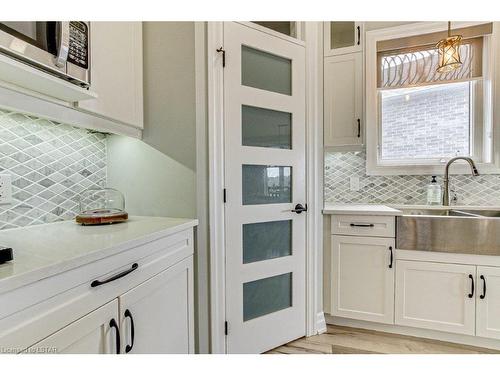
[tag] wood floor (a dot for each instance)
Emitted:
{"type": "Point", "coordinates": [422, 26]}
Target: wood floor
{"type": "Point", "coordinates": [344, 340]}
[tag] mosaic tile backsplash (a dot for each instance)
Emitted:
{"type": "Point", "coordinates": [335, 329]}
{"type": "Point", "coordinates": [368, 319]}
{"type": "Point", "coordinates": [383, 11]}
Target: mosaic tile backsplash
{"type": "Point", "coordinates": [483, 190]}
{"type": "Point", "coordinates": [50, 164]}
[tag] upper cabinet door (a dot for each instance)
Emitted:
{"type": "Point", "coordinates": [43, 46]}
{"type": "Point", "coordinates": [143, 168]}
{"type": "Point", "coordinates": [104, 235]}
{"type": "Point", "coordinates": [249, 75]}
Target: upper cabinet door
{"type": "Point", "coordinates": [116, 72]}
{"type": "Point", "coordinates": [343, 37]}
{"type": "Point", "coordinates": [343, 100]}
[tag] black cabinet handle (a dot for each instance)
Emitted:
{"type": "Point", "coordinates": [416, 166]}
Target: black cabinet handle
{"type": "Point", "coordinates": [362, 225]}
{"type": "Point", "coordinates": [128, 314]}
{"type": "Point", "coordinates": [392, 256]}
{"type": "Point", "coordinates": [115, 277]}
{"type": "Point", "coordinates": [359, 128]}
{"type": "Point", "coordinates": [484, 287]}
{"type": "Point", "coordinates": [359, 35]}
{"type": "Point", "coordinates": [114, 325]}
{"type": "Point", "coordinates": [471, 294]}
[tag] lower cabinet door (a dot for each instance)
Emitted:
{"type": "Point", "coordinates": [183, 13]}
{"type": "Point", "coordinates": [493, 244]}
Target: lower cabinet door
{"type": "Point", "coordinates": [488, 302]}
{"type": "Point", "coordinates": [157, 315]}
{"type": "Point", "coordinates": [95, 333]}
{"type": "Point", "coordinates": [436, 296]}
{"type": "Point", "coordinates": [363, 277]}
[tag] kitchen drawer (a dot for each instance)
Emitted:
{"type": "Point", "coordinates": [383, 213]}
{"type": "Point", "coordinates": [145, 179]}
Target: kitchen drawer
{"type": "Point", "coordinates": [364, 225]}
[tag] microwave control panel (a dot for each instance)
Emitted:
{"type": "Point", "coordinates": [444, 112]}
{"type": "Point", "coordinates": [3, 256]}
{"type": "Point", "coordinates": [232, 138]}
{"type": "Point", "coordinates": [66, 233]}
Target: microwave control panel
{"type": "Point", "coordinates": [79, 44]}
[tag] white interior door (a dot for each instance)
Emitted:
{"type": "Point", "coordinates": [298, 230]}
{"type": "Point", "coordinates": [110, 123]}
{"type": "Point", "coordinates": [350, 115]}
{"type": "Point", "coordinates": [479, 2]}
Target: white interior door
{"type": "Point", "coordinates": [264, 130]}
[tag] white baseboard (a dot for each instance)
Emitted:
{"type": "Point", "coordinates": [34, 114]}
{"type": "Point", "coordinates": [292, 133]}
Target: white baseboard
{"type": "Point", "coordinates": [415, 332]}
{"type": "Point", "coordinates": [320, 323]}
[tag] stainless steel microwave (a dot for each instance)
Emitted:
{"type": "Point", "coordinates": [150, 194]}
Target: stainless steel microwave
{"type": "Point", "coordinates": [58, 48]}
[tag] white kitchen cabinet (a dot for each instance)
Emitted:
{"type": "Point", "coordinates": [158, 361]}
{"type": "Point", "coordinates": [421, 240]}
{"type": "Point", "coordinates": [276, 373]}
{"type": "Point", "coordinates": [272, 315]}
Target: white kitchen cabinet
{"type": "Point", "coordinates": [488, 302]}
{"type": "Point", "coordinates": [160, 312]}
{"type": "Point", "coordinates": [436, 296]}
{"type": "Point", "coordinates": [343, 101]}
{"type": "Point", "coordinates": [95, 333]}
{"type": "Point", "coordinates": [116, 72]}
{"type": "Point", "coordinates": [342, 37]}
{"type": "Point", "coordinates": [150, 274]}
{"type": "Point", "coordinates": [363, 278]}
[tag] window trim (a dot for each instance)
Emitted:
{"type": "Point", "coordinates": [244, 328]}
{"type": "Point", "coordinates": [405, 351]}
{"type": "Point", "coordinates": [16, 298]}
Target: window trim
{"type": "Point", "coordinates": [491, 102]}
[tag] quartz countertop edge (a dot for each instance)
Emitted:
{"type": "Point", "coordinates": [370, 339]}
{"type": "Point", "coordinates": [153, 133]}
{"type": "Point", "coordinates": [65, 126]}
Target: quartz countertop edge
{"type": "Point", "coordinates": [360, 209]}
{"type": "Point", "coordinates": [45, 250]}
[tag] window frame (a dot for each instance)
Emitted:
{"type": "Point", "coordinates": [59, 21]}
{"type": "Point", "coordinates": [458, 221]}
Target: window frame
{"type": "Point", "coordinates": [485, 147]}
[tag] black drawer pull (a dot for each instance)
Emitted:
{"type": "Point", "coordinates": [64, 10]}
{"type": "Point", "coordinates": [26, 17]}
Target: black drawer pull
{"type": "Point", "coordinates": [115, 277]}
{"type": "Point", "coordinates": [359, 35]}
{"type": "Point", "coordinates": [359, 128]}
{"type": "Point", "coordinates": [471, 294]}
{"type": "Point", "coordinates": [114, 325]}
{"type": "Point", "coordinates": [392, 256]}
{"type": "Point", "coordinates": [128, 314]}
{"type": "Point", "coordinates": [362, 225]}
{"type": "Point", "coordinates": [484, 287]}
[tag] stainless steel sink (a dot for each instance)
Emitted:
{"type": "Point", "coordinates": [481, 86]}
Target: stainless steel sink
{"type": "Point", "coordinates": [452, 231]}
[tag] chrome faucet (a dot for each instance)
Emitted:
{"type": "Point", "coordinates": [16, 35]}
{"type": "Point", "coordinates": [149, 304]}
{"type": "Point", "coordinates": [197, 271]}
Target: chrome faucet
{"type": "Point", "coordinates": [446, 193]}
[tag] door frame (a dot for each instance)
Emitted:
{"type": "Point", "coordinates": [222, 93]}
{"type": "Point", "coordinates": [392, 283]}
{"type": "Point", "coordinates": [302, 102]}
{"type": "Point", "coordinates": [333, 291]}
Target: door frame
{"type": "Point", "coordinates": [315, 320]}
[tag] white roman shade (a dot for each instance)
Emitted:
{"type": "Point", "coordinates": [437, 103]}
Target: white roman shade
{"type": "Point", "coordinates": [413, 61]}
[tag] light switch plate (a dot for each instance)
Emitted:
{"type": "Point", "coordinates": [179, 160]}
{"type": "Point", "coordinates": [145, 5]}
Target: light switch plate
{"type": "Point", "coordinates": [354, 183]}
{"type": "Point", "coordinates": [5, 189]}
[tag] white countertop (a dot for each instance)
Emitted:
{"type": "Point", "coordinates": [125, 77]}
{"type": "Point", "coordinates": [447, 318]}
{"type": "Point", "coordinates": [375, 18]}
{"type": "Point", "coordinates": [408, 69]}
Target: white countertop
{"type": "Point", "coordinates": [359, 209]}
{"type": "Point", "coordinates": [44, 250]}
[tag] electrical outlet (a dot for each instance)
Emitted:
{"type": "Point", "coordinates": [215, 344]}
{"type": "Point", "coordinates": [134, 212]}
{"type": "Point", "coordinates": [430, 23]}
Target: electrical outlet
{"type": "Point", "coordinates": [354, 183]}
{"type": "Point", "coordinates": [5, 189]}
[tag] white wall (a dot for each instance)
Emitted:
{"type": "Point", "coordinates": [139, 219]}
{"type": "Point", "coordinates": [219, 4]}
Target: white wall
{"type": "Point", "coordinates": [158, 175]}
{"type": "Point", "coordinates": [153, 183]}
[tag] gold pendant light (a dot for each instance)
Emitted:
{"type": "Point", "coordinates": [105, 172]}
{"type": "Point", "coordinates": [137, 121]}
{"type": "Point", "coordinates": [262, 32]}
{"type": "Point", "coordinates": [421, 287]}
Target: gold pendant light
{"type": "Point", "coordinates": [449, 55]}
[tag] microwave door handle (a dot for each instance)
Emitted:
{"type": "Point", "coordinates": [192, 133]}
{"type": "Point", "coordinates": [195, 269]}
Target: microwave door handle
{"type": "Point", "coordinates": [62, 44]}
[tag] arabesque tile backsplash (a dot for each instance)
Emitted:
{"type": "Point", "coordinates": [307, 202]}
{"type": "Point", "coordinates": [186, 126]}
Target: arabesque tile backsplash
{"type": "Point", "coordinates": [483, 190]}
{"type": "Point", "coordinates": [50, 164]}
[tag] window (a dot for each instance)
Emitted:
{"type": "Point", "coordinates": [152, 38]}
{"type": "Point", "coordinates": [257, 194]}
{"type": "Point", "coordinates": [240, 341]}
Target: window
{"type": "Point", "coordinates": [419, 118]}
{"type": "Point", "coordinates": [428, 122]}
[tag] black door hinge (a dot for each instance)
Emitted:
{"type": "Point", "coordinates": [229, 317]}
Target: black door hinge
{"type": "Point", "coordinates": [221, 49]}
{"type": "Point", "coordinates": [226, 330]}
{"type": "Point", "coordinates": [224, 195]}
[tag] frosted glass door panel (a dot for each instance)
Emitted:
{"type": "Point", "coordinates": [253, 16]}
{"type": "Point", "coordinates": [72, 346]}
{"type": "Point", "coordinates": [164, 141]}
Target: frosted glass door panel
{"type": "Point", "coordinates": [284, 27]}
{"type": "Point", "coordinates": [269, 240]}
{"type": "Point", "coordinates": [265, 296]}
{"type": "Point", "coordinates": [265, 71]}
{"type": "Point", "coordinates": [266, 184]}
{"type": "Point", "coordinates": [342, 34]}
{"type": "Point", "coordinates": [263, 127]}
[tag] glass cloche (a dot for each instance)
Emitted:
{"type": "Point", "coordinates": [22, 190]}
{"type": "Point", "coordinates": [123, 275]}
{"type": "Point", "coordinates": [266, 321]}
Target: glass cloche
{"type": "Point", "coordinates": [101, 206]}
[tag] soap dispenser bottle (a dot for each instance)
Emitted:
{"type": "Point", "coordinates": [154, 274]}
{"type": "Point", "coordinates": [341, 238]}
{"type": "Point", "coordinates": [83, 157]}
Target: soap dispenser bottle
{"type": "Point", "coordinates": [433, 192]}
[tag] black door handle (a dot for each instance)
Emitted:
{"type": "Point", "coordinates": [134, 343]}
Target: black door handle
{"type": "Point", "coordinates": [359, 128]}
{"type": "Point", "coordinates": [484, 287]}
{"type": "Point", "coordinates": [359, 35]}
{"type": "Point", "coordinates": [362, 225]}
{"type": "Point", "coordinates": [392, 256]}
{"type": "Point", "coordinates": [115, 277]}
{"type": "Point", "coordinates": [299, 209]}
{"type": "Point", "coordinates": [114, 325]}
{"type": "Point", "coordinates": [471, 294]}
{"type": "Point", "coordinates": [128, 314]}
